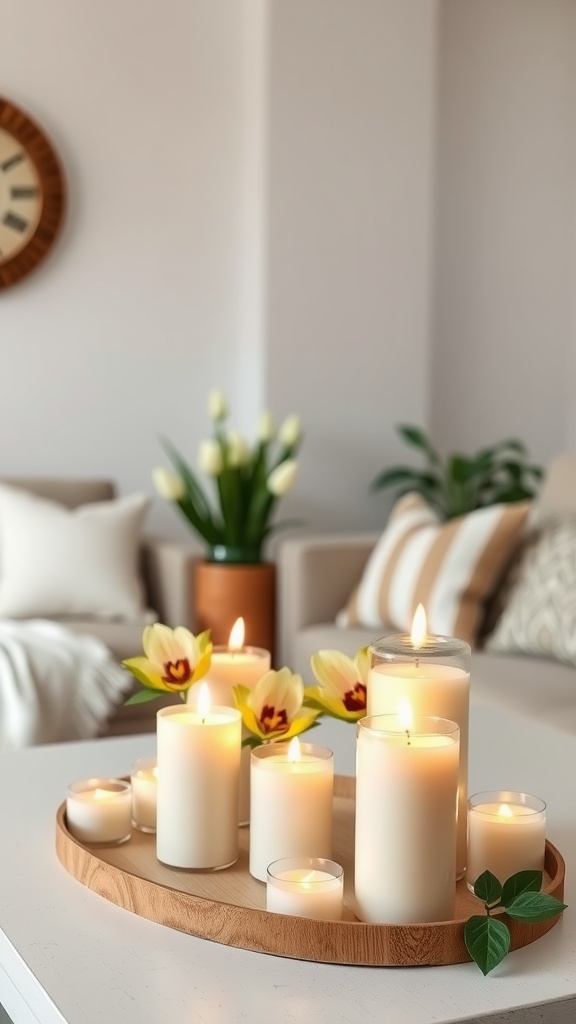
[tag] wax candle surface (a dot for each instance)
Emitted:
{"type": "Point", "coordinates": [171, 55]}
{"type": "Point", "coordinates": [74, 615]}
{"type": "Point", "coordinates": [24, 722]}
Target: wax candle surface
{"type": "Point", "coordinates": [506, 834]}
{"type": "Point", "coordinates": [144, 781]}
{"type": "Point", "coordinates": [198, 775]}
{"type": "Point", "coordinates": [306, 890]}
{"type": "Point", "coordinates": [291, 812]}
{"type": "Point", "coordinates": [230, 668]}
{"type": "Point", "coordinates": [99, 810]}
{"type": "Point", "coordinates": [433, 690]}
{"type": "Point", "coordinates": [406, 793]}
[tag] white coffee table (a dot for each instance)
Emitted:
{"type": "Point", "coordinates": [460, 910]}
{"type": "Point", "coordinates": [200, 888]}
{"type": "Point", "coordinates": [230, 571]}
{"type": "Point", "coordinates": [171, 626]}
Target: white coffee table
{"type": "Point", "coordinates": [68, 955]}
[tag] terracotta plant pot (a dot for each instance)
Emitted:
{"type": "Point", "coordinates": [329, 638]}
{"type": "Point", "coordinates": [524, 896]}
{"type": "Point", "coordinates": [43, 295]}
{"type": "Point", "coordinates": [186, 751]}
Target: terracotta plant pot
{"type": "Point", "coordinates": [222, 592]}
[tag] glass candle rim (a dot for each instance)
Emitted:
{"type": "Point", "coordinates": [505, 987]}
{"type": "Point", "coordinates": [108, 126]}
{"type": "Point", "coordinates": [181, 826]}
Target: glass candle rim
{"type": "Point", "coordinates": [261, 652]}
{"type": "Point", "coordinates": [399, 645]}
{"type": "Point", "coordinates": [142, 763]}
{"type": "Point", "coordinates": [226, 710]}
{"type": "Point", "coordinates": [116, 787]}
{"type": "Point", "coordinates": [401, 730]}
{"type": "Point", "coordinates": [331, 867]}
{"type": "Point", "coordinates": [477, 801]}
{"type": "Point", "coordinates": [265, 750]}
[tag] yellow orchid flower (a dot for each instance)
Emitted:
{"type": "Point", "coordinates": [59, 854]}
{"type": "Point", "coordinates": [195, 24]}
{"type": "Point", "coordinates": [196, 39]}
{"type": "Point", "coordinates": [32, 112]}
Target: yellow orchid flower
{"type": "Point", "coordinates": [174, 659]}
{"type": "Point", "coordinates": [273, 710]}
{"type": "Point", "coordinates": [343, 684]}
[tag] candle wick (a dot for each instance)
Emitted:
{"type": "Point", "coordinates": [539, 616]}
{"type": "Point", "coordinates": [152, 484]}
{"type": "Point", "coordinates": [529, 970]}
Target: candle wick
{"type": "Point", "coordinates": [408, 736]}
{"type": "Point", "coordinates": [417, 661]}
{"type": "Point", "coordinates": [203, 721]}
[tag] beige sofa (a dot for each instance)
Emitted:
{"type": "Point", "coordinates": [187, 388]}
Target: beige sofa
{"type": "Point", "coordinates": [317, 574]}
{"type": "Point", "coordinates": [165, 567]}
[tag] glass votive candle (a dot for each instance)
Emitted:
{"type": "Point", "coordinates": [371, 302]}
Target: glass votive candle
{"type": "Point", "coordinates": [506, 834]}
{"type": "Point", "coordinates": [99, 810]}
{"type": "Point", "coordinates": [144, 782]}
{"type": "Point", "coordinates": [305, 887]}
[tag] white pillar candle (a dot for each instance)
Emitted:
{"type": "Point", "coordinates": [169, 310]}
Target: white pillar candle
{"type": "Point", "coordinates": [99, 810]}
{"type": "Point", "coordinates": [144, 782]}
{"type": "Point", "coordinates": [198, 770]}
{"type": "Point", "coordinates": [291, 813]}
{"type": "Point", "coordinates": [406, 795]}
{"type": "Point", "coordinates": [506, 834]}
{"type": "Point", "coordinates": [305, 887]}
{"type": "Point", "coordinates": [235, 665]}
{"type": "Point", "coordinates": [433, 673]}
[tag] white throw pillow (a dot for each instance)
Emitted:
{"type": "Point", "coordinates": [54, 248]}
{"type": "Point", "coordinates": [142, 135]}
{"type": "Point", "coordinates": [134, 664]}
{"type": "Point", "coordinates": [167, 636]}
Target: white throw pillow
{"type": "Point", "coordinates": [60, 561]}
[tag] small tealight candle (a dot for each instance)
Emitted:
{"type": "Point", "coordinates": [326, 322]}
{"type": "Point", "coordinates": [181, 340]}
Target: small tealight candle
{"type": "Point", "coordinates": [99, 810]}
{"type": "Point", "coordinates": [506, 834]}
{"type": "Point", "coordinates": [230, 666]}
{"type": "Point", "coordinates": [305, 887]}
{"type": "Point", "coordinates": [144, 781]}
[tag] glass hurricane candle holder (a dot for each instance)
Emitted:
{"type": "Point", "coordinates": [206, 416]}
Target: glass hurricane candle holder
{"type": "Point", "coordinates": [99, 811]}
{"type": "Point", "coordinates": [144, 782]}
{"type": "Point", "coordinates": [506, 834]}
{"type": "Point", "coordinates": [433, 674]}
{"type": "Point", "coordinates": [306, 887]}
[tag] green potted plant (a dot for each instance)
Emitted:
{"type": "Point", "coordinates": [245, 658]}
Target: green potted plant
{"type": "Point", "coordinates": [235, 520]}
{"type": "Point", "coordinates": [461, 483]}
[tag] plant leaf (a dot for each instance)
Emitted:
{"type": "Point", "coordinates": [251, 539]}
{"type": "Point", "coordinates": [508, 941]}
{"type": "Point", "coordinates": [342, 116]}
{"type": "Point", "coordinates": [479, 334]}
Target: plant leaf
{"type": "Point", "coordinates": [522, 881]}
{"type": "Point", "coordinates": [487, 940]}
{"type": "Point", "coordinates": [535, 906]}
{"type": "Point", "coordinates": [487, 888]}
{"type": "Point", "coordinates": [417, 438]}
{"type": "Point", "coordinates": [141, 696]}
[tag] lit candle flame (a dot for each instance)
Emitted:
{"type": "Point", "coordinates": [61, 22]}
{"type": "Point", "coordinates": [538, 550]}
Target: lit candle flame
{"type": "Point", "coordinates": [504, 811]}
{"type": "Point", "coordinates": [236, 641]}
{"type": "Point", "coordinates": [102, 794]}
{"type": "Point", "coordinates": [155, 773]}
{"type": "Point", "coordinates": [204, 701]}
{"type": "Point", "coordinates": [405, 714]}
{"type": "Point", "coordinates": [307, 879]}
{"type": "Point", "coordinates": [419, 628]}
{"type": "Point", "coordinates": [294, 752]}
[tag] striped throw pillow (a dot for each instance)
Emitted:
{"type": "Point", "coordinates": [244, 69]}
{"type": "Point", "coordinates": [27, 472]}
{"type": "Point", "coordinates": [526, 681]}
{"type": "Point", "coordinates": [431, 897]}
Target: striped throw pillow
{"type": "Point", "coordinates": [451, 567]}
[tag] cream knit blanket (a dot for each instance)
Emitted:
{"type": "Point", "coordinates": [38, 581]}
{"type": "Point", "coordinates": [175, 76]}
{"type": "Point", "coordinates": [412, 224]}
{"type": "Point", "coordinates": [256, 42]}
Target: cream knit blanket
{"type": "Point", "coordinates": [54, 684]}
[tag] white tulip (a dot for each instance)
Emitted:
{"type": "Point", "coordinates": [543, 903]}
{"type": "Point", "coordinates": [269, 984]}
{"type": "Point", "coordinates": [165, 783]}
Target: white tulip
{"type": "Point", "coordinates": [290, 431]}
{"type": "Point", "coordinates": [238, 450]}
{"type": "Point", "coordinates": [282, 478]}
{"type": "Point", "coordinates": [266, 427]}
{"type": "Point", "coordinates": [210, 458]}
{"type": "Point", "coordinates": [168, 485]}
{"type": "Point", "coordinates": [217, 406]}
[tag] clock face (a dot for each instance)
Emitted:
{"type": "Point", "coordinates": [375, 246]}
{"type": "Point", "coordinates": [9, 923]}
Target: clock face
{"type": "Point", "coordinates": [31, 194]}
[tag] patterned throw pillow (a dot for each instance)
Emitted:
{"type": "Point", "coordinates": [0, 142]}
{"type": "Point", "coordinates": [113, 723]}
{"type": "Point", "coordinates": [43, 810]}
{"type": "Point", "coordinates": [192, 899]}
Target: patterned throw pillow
{"type": "Point", "coordinates": [452, 568]}
{"type": "Point", "coordinates": [539, 617]}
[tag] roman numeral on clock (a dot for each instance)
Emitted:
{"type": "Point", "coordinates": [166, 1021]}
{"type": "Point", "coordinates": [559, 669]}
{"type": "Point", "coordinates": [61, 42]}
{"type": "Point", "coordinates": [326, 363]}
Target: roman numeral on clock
{"type": "Point", "coordinates": [12, 161]}
{"type": "Point", "coordinates": [12, 220]}
{"type": "Point", "coordinates": [23, 191]}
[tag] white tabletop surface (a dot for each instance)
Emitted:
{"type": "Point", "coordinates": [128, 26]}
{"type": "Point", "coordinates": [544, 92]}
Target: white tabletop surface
{"type": "Point", "coordinates": [68, 955]}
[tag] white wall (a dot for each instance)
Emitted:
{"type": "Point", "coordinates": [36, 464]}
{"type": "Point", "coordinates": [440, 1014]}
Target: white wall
{"type": "Point", "coordinates": [351, 146]}
{"type": "Point", "coordinates": [504, 350]}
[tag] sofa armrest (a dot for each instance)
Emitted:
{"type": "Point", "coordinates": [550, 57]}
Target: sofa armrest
{"type": "Point", "coordinates": [316, 575]}
{"type": "Point", "coordinates": [167, 569]}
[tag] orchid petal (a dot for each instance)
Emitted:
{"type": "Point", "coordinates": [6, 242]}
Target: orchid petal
{"type": "Point", "coordinates": [279, 688]}
{"type": "Point", "coordinates": [336, 672]}
{"type": "Point", "coordinates": [315, 697]}
{"type": "Point", "coordinates": [149, 676]}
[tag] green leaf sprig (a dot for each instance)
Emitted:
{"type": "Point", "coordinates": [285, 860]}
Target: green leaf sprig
{"type": "Point", "coordinates": [487, 938]}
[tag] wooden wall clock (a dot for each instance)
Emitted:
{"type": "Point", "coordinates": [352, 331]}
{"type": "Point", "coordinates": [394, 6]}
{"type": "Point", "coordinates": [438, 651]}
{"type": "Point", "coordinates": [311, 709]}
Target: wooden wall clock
{"type": "Point", "coordinates": [32, 194]}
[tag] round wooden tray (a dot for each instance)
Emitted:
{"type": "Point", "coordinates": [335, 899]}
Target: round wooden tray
{"type": "Point", "coordinates": [229, 906]}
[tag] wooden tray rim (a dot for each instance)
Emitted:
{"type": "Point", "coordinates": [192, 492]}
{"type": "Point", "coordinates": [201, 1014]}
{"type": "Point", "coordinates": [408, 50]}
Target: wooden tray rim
{"type": "Point", "coordinates": [382, 945]}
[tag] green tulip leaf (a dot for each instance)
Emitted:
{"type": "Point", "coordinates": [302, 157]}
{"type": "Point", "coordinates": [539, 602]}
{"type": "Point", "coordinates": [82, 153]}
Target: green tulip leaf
{"type": "Point", "coordinates": [487, 888]}
{"type": "Point", "coordinates": [522, 881]}
{"type": "Point", "coordinates": [142, 696]}
{"type": "Point", "coordinates": [535, 906]}
{"type": "Point", "coordinates": [487, 940]}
